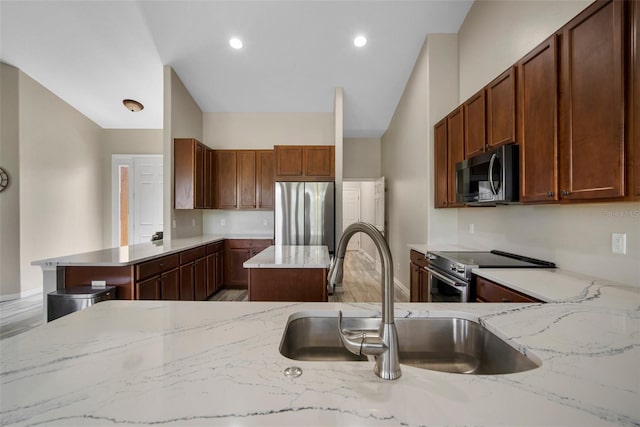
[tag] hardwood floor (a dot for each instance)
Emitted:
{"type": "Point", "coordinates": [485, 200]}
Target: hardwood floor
{"type": "Point", "coordinates": [361, 283]}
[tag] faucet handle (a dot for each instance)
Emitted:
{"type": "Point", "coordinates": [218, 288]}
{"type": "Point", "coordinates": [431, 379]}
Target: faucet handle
{"type": "Point", "coordinates": [361, 342]}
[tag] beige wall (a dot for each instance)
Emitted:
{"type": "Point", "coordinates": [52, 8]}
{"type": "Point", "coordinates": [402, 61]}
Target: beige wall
{"type": "Point", "coordinates": [576, 237]}
{"type": "Point", "coordinates": [264, 130]}
{"type": "Point", "coordinates": [361, 158]}
{"type": "Point", "coordinates": [61, 204]}
{"type": "Point", "coordinates": [404, 165]}
{"type": "Point", "coordinates": [182, 119]}
{"type": "Point", "coordinates": [10, 197]}
{"type": "Point", "coordinates": [123, 141]}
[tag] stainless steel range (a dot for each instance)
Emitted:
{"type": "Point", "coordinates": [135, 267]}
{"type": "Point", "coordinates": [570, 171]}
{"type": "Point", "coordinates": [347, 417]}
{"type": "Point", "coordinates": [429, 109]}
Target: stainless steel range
{"type": "Point", "coordinates": [450, 272]}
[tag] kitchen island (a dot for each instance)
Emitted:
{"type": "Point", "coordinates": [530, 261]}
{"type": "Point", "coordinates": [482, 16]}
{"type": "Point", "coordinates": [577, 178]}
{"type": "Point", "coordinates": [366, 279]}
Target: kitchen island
{"type": "Point", "coordinates": [289, 273]}
{"type": "Point", "coordinates": [184, 363]}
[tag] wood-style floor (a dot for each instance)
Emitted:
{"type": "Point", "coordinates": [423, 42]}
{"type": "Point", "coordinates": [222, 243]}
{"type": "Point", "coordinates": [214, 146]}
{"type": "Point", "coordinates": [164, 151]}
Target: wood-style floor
{"type": "Point", "coordinates": [361, 283]}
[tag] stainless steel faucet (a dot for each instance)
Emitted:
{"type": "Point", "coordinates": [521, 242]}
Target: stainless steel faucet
{"type": "Point", "coordinates": [384, 344]}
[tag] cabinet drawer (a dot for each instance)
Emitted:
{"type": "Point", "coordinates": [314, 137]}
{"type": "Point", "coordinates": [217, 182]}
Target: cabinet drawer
{"type": "Point", "coordinates": [212, 248]}
{"type": "Point", "coordinates": [193, 254]}
{"type": "Point", "coordinates": [487, 291]}
{"type": "Point", "coordinates": [418, 258]}
{"type": "Point", "coordinates": [247, 243]}
{"type": "Point", "coordinates": [156, 266]}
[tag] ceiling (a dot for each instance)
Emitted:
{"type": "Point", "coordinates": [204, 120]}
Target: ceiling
{"type": "Point", "coordinates": [94, 54]}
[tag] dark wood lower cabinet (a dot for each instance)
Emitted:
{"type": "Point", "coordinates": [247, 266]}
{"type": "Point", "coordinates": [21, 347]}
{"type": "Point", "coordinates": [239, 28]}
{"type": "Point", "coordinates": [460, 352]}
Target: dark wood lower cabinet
{"type": "Point", "coordinates": [419, 279]}
{"type": "Point", "coordinates": [187, 282]}
{"type": "Point", "coordinates": [170, 285]}
{"type": "Point", "coordinates": [236, 252]}
{"type": "Point", "coordinates": [488, 291]}
{"type": "Point", "coordinates": [148, 289]}
{"type": "Point", "coordinates": [200, 279]}
{"type": "Point", "coordinates": [288, 284]}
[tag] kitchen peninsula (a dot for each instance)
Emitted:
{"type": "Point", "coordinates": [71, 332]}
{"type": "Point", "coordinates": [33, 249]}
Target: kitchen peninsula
{"type": "Point", "coordinates": [289, 273]}
{"type": "Point", "coordinates": [222, 366]}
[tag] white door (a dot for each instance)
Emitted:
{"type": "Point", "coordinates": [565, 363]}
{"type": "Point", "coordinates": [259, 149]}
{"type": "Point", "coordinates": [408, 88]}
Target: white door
{"type": "Point", "coordinates": [147, 215]}
{"type": "Point", "coordinates": [351, 214]}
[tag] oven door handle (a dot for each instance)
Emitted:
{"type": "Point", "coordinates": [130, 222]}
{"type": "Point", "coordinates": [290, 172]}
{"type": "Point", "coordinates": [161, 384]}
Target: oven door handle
{"type": "Point", "coordinates": [445, 279]}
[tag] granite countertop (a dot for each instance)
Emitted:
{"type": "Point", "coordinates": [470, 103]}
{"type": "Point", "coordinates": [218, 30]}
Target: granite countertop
{"type": "Point", "coordinates": [291, 257]}
{"type": "Point", "coordinates": [132, 254]}
{"type": "Point", "coordinates": [165, 362]}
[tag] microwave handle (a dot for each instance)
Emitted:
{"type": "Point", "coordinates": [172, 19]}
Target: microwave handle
{"type": "Point", "coordinates": [494, 156]}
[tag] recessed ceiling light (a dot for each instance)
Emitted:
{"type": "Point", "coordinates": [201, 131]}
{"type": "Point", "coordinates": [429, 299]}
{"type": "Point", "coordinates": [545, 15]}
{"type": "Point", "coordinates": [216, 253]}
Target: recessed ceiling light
{"type": "Point", "coordinates": [132, 105]}
{"type": "Point", "coordinates": [235, 43]}
{"type": "Point", "coordinates": [360, 41]}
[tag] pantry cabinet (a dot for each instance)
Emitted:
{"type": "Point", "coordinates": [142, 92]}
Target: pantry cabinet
{"type": "Point", "coordinates": [305, 162]}
{"type": "Point", "coordinates": [537, 123]}
{"type": "Point", "coordinates": [592, 103]}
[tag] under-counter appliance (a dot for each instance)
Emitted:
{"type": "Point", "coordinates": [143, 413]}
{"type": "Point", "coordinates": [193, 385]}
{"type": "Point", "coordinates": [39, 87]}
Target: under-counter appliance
{"type": "Point", "coordinates": [449, 272]}
{"type": "Point", "coordinates": [489, 178]}
{"type": "Point", "coordinates": [305, 214]}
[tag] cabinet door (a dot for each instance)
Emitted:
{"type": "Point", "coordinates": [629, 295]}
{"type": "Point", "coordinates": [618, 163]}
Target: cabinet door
{"type": "Point", "coordinates": [455, 151]}
{"type": "Point", "coordinates": [319, 161]}
{"type": "Point", "coordinates": [170, 285]}
{"type": "Point", "coordinates": [265, 179]}
{"type": "Point", "coordinates": [198, 179]}
{"type": "Point", "coordinates": [488, 291]}
{"type": "Point", "coordinates": [424, 286]}
{"type": "Point", "coordinates": [184, 173]}
{"type": "Point", "coordinates": [635, 96]}
{"type": "Point", "coordinates": [200, 279]}
{"type": "Point", "coordinates": [187, 278]}
{"type": "Point", "coordinates": [414, 279]}
{"type": "Point", "coordinates": [148, 289]}
{"type": "Point", "coordinates": [440, 163]}
{"type": "Point", "coordinates": [226, 190]}
{"type": "Point", "coordinates": [246, 179]}
{"type": "Point", "coordinates": [474, 125]}
{"type": "Point", "coordinates": [592, 103]}
{"type": "Point", "coordinates": [501, 109]}
{"type": "Point", "coordinates": [537, 117]}
{"type": "Point", "coordinates": [219, 280]}
{"type": "Point", "coordinates": [211, 274]}
{"type": "Point", "coordinates": [235, 274]}
{"type": "Point", "coordinates": [288, 160]}
{"type": "Point", "coordinates": [209, 179]}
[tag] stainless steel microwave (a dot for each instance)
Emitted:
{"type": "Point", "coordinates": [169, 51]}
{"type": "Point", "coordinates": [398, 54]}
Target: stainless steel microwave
{"type": "Point", "coordinates": [489, 178]}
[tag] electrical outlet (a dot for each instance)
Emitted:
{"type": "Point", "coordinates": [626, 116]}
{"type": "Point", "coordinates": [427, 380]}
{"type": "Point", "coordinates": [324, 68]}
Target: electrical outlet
{"type": "Point", "coordinates": [619, 243]}
{"type": "Point", "coordinates": [472, 228]}
{"type": "Point", "coordinates": [223, 222]}
{"type": "Point", "coordinates": [173, 223]}
{"type": "Point", "coordinates": [265, 222]}
{"type": "Point", "coordinates": [193, 222]}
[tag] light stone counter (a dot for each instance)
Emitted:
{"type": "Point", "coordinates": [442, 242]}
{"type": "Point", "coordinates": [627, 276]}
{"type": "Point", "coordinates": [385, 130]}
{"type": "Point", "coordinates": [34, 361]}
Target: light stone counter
{"type": "Point", "coordinates": [193, 363]}
{"type": "Point", "coordinates": [290, 257]}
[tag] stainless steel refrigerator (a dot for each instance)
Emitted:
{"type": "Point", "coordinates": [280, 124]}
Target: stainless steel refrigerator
{"type": "Point", "coordinates": [305, 214]}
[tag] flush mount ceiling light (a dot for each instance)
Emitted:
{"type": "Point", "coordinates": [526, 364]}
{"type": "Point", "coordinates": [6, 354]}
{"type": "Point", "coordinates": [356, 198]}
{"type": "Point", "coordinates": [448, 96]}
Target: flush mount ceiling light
{"type": "Point", "coordinates": [360, 41]}
{"type": "Point", "coordinates": [235, 43]}
{"type": "Point", "coordinates": [133, 105]}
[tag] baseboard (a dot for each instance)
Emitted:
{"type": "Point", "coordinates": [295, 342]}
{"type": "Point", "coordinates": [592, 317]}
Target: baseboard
{"type": "Point", "coordinates": [24, 294]}
{"type": "Point", "coordinates": [402, 288]}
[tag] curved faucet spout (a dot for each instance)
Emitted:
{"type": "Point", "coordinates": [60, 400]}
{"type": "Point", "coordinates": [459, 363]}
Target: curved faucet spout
{"type": "Point", "coordinates": [385, 345]}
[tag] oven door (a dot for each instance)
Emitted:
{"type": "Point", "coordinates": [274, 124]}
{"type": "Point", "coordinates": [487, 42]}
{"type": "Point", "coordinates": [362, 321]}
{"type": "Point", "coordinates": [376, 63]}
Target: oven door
{"type": "Point", "coordinates": [445, 288]}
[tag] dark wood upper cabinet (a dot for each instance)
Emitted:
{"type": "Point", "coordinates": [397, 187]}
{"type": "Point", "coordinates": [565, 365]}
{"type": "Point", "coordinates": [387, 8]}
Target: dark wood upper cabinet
{"type": "Point", "coordinates": [209, 178]}
{"type": "Point", "coordinates": [634, 102]}
{"type": "Point", "coordinates": [501, 109]}
{"type": "Point", "coordinates": [305, 162]}
{"type": "Point", "coordinates": [440, 164]}
{"type": "Point", "coordinates": [474, 124]}
{"type": "Point", "coordinates": [592, 104]}
{"type": "Point", "coordinates": [189, 183]}
{"type": "Point", "coordinates": [537, 123]}
{"type": "Point", "coordinates": [246, 170]}
{"type": "Point", "coordinates": [265, 179]}
{"type": "Point", "coordinates": [455, 151]}
{"type": "Point", "coordinates": [225, 173]}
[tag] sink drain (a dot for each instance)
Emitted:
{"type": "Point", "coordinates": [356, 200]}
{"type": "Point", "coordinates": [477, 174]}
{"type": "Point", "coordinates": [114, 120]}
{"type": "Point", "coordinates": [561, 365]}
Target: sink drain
{"type": "Point", "coordinates": [292, 372]}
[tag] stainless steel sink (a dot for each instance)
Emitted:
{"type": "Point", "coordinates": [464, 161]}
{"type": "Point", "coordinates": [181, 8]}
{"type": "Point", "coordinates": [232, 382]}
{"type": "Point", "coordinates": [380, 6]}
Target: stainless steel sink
{"type": "Point", "coordinates": [441, 344]}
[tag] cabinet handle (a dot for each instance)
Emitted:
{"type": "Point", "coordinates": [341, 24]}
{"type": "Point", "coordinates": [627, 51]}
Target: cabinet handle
{"type": "Point", "coordinates": [506, 300]}
{"type": "Point", "coordinates": [565, 192]}
{"type": "Point", "coordinates": [549, 193]}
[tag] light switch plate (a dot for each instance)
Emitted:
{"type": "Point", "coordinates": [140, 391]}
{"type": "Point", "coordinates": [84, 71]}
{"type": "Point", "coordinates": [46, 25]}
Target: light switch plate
{"type": "Point", "coordinates": [619, 243]}
{"type": "Point", "coordinates": [100, 284]}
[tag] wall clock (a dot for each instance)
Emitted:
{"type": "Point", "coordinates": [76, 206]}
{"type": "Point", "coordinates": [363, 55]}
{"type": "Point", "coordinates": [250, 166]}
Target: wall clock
{"type": "Point", "coordinates": [4, 179]}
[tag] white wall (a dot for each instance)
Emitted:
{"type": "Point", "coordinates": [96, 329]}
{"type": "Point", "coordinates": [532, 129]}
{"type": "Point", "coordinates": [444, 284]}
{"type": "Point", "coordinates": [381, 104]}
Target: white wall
{"type": "Point", "coordinates": [61, 203]}
{"type": "Point", "coordinates": [182, 119]}
{"type": "Point", "coordinates": [405, 157]}
{"type": "Point", "coordinates": [10, 197]}
{"type": "Point", "coordinates": [576, 237]}
{"type": "Point", "coordinates": [361, 158]}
